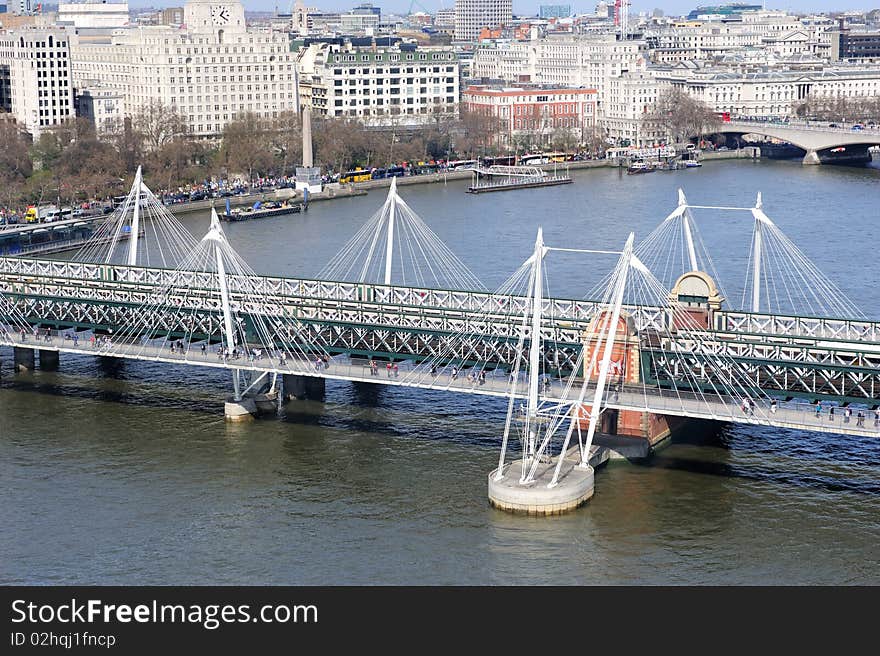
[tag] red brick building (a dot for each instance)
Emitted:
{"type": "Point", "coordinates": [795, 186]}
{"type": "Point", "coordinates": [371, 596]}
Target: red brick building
{"type": "Point", "coordinates": [536, 113]}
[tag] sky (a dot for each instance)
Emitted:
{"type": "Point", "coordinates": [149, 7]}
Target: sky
{"type": "Point", "coordinates": [530, 7]}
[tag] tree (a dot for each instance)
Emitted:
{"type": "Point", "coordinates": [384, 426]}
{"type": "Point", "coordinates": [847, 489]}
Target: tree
{"type": "Point", "coordinates": [246, 146]}
{"type": "Point", "coordinates": [158, 123]}
{"type": "Point", "coordinates": [15, 163]}
{"type": "Point", "coordinates": [682, 116]}
{"type": "Point", "coordinates": [285, 141]}
{"type": "Point", "coordinates": [477, 133]}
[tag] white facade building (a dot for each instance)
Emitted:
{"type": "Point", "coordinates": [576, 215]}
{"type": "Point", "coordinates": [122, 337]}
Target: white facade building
{"type": "Point", "coordinates": [103, 107]}
{"type": "Point", "coordinates": [36, 63]}
{"type": "Point", "coordinates": [209, 72]}
{"type": "Point", "coordinates": [93, 14]}
{"type": "Point", "coordinates": [473, 15]}
{"type": "Point", "coordinates": [589, 60]}
{"type": "Point", "coordinates": [772, 91]}
{"type": "Point", "coordinates": [379, 86]}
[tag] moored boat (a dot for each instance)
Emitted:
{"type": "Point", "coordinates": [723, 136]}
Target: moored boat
{"type": "Point", "coordinates": [263, 210]}
{"type": "Point", "coordinates": [639, 167]}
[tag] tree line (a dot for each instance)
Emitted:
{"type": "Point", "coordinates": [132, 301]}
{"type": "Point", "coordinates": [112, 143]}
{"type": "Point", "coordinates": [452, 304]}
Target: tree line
{"type": "Point", "coordinates": [72, 162]}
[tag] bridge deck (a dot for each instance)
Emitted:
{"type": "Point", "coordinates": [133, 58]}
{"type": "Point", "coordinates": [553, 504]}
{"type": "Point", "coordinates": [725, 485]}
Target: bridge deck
{"type": "Point", "coordinates": [498, 384]}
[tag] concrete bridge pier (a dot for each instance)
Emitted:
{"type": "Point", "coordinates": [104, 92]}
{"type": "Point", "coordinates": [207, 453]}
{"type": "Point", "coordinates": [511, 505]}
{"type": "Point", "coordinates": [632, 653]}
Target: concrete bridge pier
{"type": "Point", "coordinates": [304, 387]}
{"type": "Point", "coordinates": [812, 158]}
{"type": "Point", "coordinates": [23, 358]}
{"type": "Point", "coordinates": [244, 409]}
{"type": "Point", "coordinates": [49, 360]}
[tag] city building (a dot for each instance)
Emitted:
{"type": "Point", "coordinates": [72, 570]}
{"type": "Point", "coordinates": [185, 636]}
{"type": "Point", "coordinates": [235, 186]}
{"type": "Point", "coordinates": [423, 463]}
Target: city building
{"type": "Point", "coordinates": [362, 21]}
{"type": "Point", "coordinates": [627, 111]}
{"type": "Point", "coordinates": [769, 91]}
{"type": "Point", "coordinates": [539, 114]}
{"type": "Point", "coordinates": [208, 72]}
{"type": "Point", "coordinates": [103, 107]}
{"type": "Point", "coordinates": [378, 85]}
{"type": "Point", "coordinates": [473, 15]}
{"type": "Point", "coordinates": [554, 11]}
{"type": "Point", "coordinates": [21, 7]}
{"type": "Point", "coordinates": [561, 60]}
{"type": "Point", "coordinates": [850, 45]}
{"type": "Point", "coordinates": [93, 14]}
{"type": "Point", "coordinates": [722, 11]}
{"type": "Point", "coordinates": [35, 71]}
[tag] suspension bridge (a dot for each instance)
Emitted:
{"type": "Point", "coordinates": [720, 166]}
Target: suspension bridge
{"type": "Point", "coordinates": [654, 347]}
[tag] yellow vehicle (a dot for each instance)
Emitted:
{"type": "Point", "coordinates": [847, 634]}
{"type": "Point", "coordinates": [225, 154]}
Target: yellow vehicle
{"type": "Point", "coordinates": [359, 175]}
{"type": "Point", "coordinates": [30, 216]}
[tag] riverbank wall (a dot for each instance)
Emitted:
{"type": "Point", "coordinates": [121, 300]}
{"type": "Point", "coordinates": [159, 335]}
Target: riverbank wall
{"type": "Point", "coordinates": [335, 191]}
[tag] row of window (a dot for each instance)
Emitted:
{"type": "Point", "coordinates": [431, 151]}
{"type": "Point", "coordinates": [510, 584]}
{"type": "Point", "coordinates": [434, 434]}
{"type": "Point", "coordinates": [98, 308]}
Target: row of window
{"type": "Point", "coordinates": [392, 101]}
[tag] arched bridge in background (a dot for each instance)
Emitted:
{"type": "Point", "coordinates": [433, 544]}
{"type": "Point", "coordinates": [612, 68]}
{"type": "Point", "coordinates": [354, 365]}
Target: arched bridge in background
{"type": "Point", "coordinates": [823, 144]}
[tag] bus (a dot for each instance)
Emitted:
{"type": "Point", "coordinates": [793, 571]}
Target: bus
{"type": "Point", "coordinates": [502, 160]}
{"type": "Point", "coordinates": [358, 175]}
{"type": "Point", "coordinates": [459, 164]}
{"type": "Point", "coordinates": [724, 117]}
{"type": "Point", "coordinates": [545, 158]}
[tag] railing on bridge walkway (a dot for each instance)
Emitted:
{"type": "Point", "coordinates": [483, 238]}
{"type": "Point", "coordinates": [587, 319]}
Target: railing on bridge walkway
{"type": "Point", "coordinates": [260, 360]}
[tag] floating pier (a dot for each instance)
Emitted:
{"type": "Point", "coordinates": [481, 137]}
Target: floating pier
{"type": "Point", "coordinates": [503, 178]}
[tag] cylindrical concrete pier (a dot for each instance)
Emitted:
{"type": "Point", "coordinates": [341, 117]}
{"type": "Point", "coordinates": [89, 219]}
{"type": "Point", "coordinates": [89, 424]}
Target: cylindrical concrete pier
{"type": "Point", "coordinates": [24, 358]}
{"type": "Point", "coordinates": [49, 360]}
{"type": "Point", "coordinates": [304, 387]}
{"type": "Point", "coordinates": [573, 489]}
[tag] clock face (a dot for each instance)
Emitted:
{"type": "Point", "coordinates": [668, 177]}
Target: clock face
{"type": "Point", "coordinates": [220, 14]}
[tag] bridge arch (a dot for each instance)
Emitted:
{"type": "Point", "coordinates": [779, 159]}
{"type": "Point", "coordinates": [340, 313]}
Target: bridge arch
{"type": "Point", "coordinates": [823, 145]}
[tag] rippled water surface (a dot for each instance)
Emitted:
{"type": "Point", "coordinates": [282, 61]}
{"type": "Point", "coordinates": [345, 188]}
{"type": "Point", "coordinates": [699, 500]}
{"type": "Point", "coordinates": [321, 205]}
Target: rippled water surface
{"type": "Point", "coordinates": [126, 472]}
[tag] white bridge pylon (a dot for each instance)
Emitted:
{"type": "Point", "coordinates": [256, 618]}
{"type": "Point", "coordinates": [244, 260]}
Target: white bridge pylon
{"type": "Point", "coordinates": [140, 231]}
{"type": "Point", "coordinates": [779, 277]}
{"type": "Point", "coordinates": [213, 306]}
{"type": "Point", "coordinates": [671, 357]}
{"type": "Point", "coordinates": [396, 247]}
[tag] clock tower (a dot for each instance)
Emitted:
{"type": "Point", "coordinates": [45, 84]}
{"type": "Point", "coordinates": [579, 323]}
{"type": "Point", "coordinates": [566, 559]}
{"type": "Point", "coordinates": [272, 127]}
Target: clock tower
{"type": "Point", "coordinates": [214, 15]}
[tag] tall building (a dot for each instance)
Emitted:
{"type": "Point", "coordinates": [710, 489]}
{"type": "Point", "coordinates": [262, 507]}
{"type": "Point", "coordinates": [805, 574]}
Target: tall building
{"type": "Point", "coordinates": [473, 15]}
{"type": "Point", "coordinates": [35, 65]}
{"type": "Point", "coordinates": [209, 71]}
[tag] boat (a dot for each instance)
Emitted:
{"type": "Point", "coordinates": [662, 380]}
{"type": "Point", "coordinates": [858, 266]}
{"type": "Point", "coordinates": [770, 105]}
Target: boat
{"type": "Point", "coordinates": [639, 167]}
{"type": "Point", "coordinates": [692, 164]}
{"type": "Point", "coordinates": [262, 210]}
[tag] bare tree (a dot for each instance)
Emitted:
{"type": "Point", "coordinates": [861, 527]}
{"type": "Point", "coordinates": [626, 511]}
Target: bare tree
{"type": "Point", "coordinates": [158, 123]}
{"type": "Point", "coordinates": [682, 116]}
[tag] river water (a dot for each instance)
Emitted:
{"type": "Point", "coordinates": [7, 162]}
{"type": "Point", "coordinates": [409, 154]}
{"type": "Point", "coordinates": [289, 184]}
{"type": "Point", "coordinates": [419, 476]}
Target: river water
{"type": "Point", "coordinates": [126, 473]}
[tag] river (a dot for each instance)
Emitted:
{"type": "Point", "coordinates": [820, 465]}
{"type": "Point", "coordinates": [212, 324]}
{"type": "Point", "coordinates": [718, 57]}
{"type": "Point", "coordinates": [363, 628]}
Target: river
{"type": "Point", "coordinates": [126, 473]}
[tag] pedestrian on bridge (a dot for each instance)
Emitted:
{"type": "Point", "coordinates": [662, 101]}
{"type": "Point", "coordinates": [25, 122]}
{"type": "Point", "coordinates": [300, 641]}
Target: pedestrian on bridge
{"type": "Point", "coordinates": [454, 373]}
{"type": "Point", "coordinates": [860, 419]}
{"type": "Point", "coordinates": [773, 405]}
{"type": "Point", "coordinates": [204, 350]}
{"type": "Point", "coordinates": [396, 370]}
{"type": "Point", "coordinates": [877, 417]}
{"type": "Point", "coordinates": [846, 415]}
{"type": "Point", "coordinates": [818, 409]}
{"type": "Point", "coordinates": [388, 368]}
{"type": "Point", "coordinates": [831, 413]}
{"type": "Point", "coordinates": [23, 335]}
